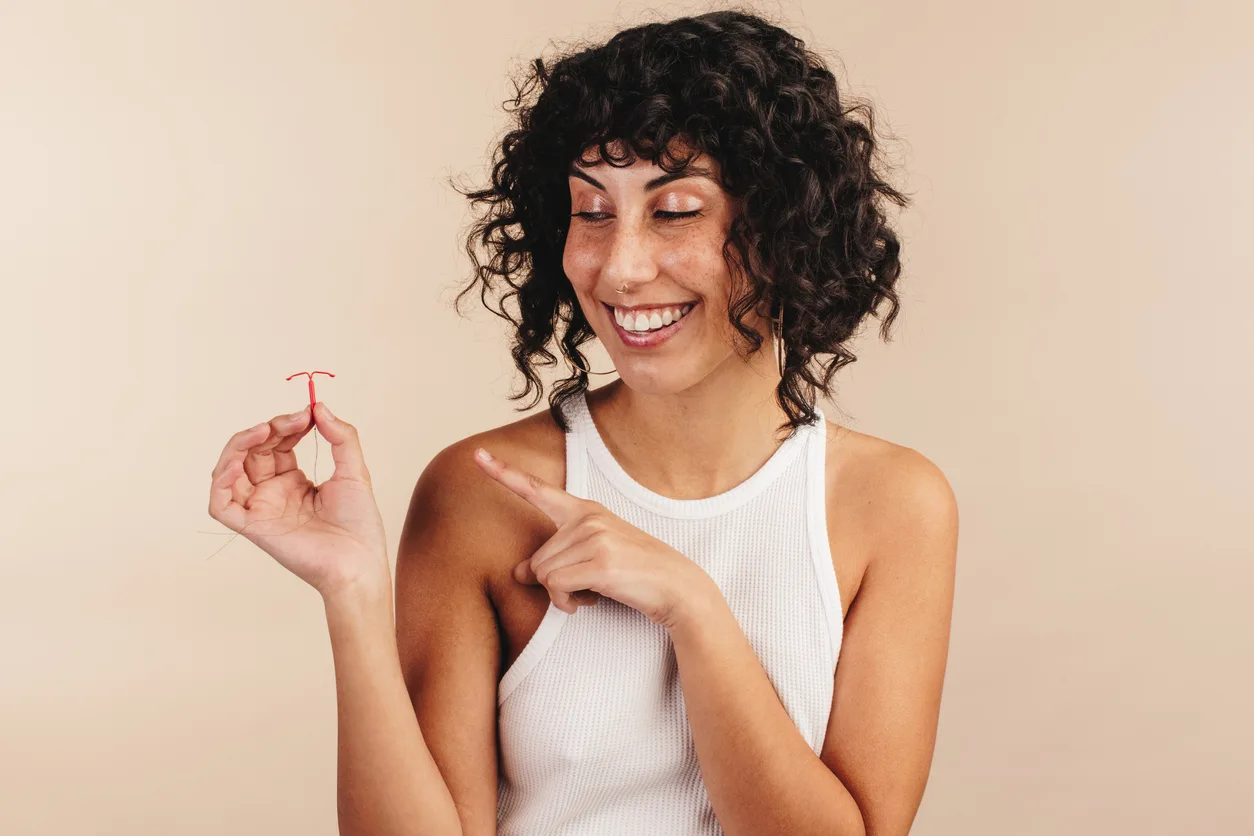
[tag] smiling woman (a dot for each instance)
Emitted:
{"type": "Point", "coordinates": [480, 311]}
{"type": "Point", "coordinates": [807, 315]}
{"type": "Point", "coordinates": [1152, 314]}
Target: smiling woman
{"type": "Point", "coordinates": [642, 611]}
{"type": "Point", "coordinates": [685, 193]}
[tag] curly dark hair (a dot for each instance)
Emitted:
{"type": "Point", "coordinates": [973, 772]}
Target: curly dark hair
{"type": "Point", "coordinates": [811, 232]}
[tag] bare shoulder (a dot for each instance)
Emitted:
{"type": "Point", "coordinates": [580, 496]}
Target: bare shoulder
{"type": "Point", "coordinates": [483, 521]}
{"type": "Point", "coordinates": [891, 501]}
{"type": "Point", "coordinates": [896, 482]}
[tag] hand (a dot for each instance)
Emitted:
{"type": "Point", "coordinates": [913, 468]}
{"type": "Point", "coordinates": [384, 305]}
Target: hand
{"type": "Point", "coordinates": [595, 552]}
{"type": "Point", "coordinates": [330, 535]}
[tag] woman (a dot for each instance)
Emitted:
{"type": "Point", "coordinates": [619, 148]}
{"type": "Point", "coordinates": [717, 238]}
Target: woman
{"type": "Point", "coordinates": [684, 602]}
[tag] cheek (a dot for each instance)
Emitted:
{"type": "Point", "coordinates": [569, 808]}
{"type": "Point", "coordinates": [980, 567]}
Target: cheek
{"type": "Point", "coordinates": [697, 263]}
{"type": "Point", "coordinates": [581, 258]}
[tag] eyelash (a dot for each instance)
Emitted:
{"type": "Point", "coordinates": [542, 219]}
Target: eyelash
{"type": "Point", "coordinates": [669, 216]}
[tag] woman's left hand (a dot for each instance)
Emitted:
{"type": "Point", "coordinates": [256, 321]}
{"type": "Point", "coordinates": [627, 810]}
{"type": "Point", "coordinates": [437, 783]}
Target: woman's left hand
{"type": "Point", "coordinates": [594, 549]}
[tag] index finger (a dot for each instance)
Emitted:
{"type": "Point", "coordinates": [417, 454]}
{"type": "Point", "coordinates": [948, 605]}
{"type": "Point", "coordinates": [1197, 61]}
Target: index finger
{"type": "Point", "coordinates": [554, 502]}
{"type": "Point", "coordinates": [237, 446]}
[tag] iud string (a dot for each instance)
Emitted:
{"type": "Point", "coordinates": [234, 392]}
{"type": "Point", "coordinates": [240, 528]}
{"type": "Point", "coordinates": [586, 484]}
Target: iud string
{"type": "Point", "coordinates": [313, 400]}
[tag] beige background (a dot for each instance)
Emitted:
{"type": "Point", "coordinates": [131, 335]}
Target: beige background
{"type": "Point", "coordinates": [198, 199]}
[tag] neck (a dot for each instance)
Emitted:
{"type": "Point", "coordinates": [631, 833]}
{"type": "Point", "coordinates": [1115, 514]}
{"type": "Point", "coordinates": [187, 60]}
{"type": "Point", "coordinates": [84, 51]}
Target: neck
{"type": "Point", "coordinates": [696, 443]}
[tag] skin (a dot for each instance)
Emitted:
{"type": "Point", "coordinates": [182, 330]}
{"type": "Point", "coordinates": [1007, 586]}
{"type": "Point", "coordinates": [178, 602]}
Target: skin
{"type": "Point", "coordinates": [488, 544]}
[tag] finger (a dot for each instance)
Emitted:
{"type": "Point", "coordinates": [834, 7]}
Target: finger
{"type": "Point", "coordinates": [566, 537]}
{"type": "Point", "coordinates": [555, 503]}
{"type": "Point", "coordinates": [576, 579]}
{"type": "Point", "coordinates": [345, 445]}
{"type": "Point", "coordinates": [581, 551]}
{"type": "Point", "coordinates": [523, 573]}
{"type": "Point", "coordinates": [284, 458]}
{"type": "Point", "coordinates": [223, 495]}
{"type": "Point", "coordinates": [237, 446]}
{"type": "Point", "coordinates": [260, 463]}
{"type": "Point", "coordinates": [562, 598]}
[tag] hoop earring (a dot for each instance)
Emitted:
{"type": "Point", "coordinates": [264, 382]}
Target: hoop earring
{"type": "Point", "coordinates": [777, 331]}
{"type": "Point", "coordinates": [589, 371]}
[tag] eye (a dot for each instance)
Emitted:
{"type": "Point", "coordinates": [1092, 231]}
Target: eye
{"type": "Point", "coordinates": [665, 216]}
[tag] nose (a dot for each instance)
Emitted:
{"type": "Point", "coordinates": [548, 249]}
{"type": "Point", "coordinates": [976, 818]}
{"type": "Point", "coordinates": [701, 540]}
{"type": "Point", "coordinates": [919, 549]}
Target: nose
{"type": "Point", "coordinates": [629, 260]}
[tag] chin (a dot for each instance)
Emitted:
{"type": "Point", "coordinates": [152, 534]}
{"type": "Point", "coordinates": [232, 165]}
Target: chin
{"type": "Point", "coordinates": [650, 377]}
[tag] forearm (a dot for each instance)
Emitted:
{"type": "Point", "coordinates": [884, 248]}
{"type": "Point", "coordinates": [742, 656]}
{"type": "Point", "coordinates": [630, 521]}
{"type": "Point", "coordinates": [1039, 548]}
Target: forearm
{"type": "Point", "coordinates": [760, 774]}
{"type": "Point", "coordinates": [388, 783]}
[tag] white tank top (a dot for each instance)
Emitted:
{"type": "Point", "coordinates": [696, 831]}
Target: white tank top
{"type": "Point", "coordinates": [594, 737]}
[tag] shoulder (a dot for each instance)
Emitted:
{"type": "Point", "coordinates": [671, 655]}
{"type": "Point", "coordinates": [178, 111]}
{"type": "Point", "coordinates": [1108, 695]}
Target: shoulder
{"type": "Point", "coordinates": [535, 444]}
{"type": "Point", "coordinates": [897, 499]}
{"type": "Point", "coordinates": [474, 518]}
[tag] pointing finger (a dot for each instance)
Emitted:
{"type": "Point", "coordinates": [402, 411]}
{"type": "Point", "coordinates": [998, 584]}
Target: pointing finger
{"type": "Point", "coordinates": [554, 502]}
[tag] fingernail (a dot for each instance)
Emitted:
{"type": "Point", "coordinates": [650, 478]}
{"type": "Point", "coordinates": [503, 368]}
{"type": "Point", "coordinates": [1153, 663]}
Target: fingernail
{"type": "Point", "coordinates": [483, 455]}
{"type": "Point", "coordinates": [328, 411]}
{"type": "Point", "coordinates": [259, 426]}
{"type": "Point", "coordinates": [296, 415]}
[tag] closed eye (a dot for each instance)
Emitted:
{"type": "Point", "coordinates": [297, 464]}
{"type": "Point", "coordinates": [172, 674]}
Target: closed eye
{"type": "Point", "coordinates": [666, 216]}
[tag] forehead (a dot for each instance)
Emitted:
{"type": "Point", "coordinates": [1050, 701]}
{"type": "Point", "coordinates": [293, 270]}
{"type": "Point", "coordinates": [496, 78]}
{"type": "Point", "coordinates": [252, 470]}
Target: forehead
{"type": "Point", "coordinates": [678, 150]}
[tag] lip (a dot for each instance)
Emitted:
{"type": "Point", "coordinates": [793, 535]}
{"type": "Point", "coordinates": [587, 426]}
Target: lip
{"type": "Point", "coordinates": [649, 339]}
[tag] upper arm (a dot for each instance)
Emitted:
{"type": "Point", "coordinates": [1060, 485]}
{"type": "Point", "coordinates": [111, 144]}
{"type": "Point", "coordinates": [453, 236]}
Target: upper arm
{"type": "Point", "coordinates": [447, 634]}
{"type": "Point", "coordinates": [886, 705]}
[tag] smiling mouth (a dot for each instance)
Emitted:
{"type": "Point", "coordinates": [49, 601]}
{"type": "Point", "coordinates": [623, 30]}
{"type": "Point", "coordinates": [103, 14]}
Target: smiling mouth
{"type": "Point", "coordinates": [645, 320]}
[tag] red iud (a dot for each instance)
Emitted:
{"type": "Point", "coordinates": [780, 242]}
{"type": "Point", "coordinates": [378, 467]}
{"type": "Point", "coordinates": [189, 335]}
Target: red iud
{"type": "Point", "coordinates": [312, 397]}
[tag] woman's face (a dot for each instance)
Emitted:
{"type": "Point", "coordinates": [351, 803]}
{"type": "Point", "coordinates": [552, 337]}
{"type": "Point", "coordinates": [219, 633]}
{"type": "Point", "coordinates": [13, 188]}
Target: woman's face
{"type": "Point", "coordinates": [661, 237]}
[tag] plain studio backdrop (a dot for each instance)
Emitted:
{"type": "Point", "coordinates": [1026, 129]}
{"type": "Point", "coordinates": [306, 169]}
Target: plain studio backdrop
{"type": "Point", "coordinates": [198, 199]}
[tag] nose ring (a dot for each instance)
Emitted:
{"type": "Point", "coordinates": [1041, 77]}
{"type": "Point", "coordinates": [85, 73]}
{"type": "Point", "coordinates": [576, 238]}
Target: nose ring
{"type": "Point", "coordinates": [622, 289]}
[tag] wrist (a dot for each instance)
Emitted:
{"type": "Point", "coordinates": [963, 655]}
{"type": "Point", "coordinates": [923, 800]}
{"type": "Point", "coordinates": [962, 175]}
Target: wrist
{"type": "Point", "coordinates": [694, 604]}
{"type": "Point", "coordinates": [362, 590]}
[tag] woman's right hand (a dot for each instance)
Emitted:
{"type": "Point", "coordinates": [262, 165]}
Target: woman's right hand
{"type": "Point", "coordinates": [329, 535]}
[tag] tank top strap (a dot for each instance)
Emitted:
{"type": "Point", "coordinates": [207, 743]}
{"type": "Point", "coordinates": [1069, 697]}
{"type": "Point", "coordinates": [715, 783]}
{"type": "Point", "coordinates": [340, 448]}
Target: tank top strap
{"type": "Point", "coordinates": [816, 521]}
{"type": "Point", "coordinates": [575, 411]}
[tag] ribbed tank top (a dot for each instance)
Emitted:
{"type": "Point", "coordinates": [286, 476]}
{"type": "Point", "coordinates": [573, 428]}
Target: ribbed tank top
{"type": "Point", "coordinates": [593, 733]}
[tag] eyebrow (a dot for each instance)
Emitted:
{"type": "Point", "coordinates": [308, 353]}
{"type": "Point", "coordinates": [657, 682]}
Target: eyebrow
{"type": "Point", "coordinates": [690, 171]}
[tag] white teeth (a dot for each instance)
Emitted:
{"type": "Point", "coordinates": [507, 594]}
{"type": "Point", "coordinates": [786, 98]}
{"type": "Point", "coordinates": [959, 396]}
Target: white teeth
{"type": "Point", "coordinates": [655, 319]}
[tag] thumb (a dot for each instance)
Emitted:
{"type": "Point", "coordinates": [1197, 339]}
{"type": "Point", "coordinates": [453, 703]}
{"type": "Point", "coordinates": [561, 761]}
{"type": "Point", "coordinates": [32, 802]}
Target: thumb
{"type": "Point", "coordinates": [345, 445]}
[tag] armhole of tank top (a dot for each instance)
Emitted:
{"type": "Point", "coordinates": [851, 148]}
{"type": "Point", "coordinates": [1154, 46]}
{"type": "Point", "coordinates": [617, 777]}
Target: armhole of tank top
{"type": "Point", "coordinates": [821, 549]}
{"type": "Point", "coordinates": [554, 618]}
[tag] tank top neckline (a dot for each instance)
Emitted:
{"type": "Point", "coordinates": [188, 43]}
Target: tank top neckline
{"type": "Point", "coordinates": [585, 427]}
